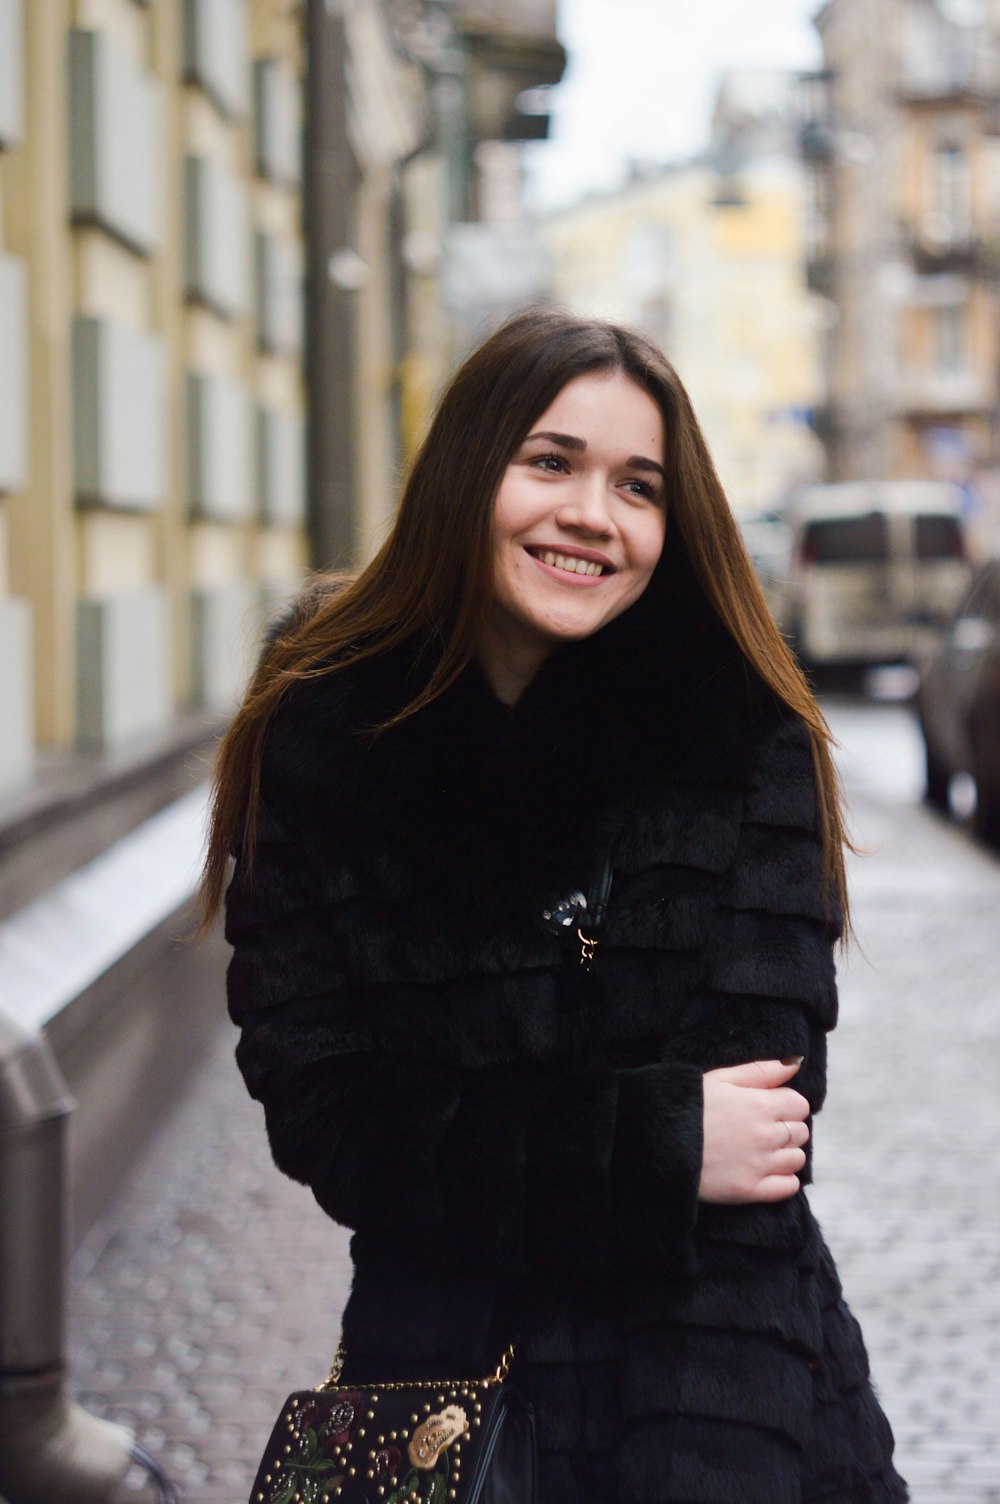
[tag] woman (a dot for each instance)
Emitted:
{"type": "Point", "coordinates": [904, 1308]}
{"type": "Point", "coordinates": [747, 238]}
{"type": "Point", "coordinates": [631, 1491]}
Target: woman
{"type": "Point", "coordinates": [539, 869]}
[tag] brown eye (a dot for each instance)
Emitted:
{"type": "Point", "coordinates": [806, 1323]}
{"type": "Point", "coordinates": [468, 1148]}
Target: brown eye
{"type": "Point", "coordinates": [554, 463]}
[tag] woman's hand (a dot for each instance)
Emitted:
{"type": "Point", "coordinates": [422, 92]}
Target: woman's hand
{"type": "Point", "coordinates": [754, 1132]}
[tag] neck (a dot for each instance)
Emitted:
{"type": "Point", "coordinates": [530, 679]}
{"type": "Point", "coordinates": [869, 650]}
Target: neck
{"type": "Point", "coordinates": [510, 662]}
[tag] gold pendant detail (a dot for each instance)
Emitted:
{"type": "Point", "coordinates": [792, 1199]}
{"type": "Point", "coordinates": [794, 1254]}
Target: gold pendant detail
{"type": "Point", "coordinates": [588, 949]}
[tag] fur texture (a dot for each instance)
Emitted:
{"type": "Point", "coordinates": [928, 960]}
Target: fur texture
{"type": "Point", "coordinates": [517, 1142]}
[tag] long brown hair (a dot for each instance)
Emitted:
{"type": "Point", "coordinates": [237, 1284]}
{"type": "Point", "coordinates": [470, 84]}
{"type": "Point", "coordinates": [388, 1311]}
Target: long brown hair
{"type": "Point", "coordinates": [432, 578]}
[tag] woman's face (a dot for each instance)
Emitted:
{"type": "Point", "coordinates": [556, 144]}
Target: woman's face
{"type": "Point", "coordinates": [579, 521]}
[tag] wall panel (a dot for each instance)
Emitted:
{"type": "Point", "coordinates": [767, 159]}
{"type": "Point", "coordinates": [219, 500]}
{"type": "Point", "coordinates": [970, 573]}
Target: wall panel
{"type": "Point", "coordinates": [225, 628]}
{"type": "Point", "coordinates": [11, 72]}
{"type": "Point", "coordinates": [118, 415]}
{"type": "Point", "coordinates": [17, 739]}
{"type": "Point", "coordinates": [220, 448]}
{"type": "Point", "coordinates": [278, 286]}
{"type": "Point", "coordinates": [216, 54]}
{"type": "Point", "coordinates": [13, 374]}
{"type": "Point", "coordinates": [123, 684]}
{"type": "Point", "coordinates": [116, 142]}
{"type": "Point", "coordinates": [281, 465]}
{"type": "Point", "coordinates": [217, 269]}
{"type": "Point", "coordinates": [278, 121]}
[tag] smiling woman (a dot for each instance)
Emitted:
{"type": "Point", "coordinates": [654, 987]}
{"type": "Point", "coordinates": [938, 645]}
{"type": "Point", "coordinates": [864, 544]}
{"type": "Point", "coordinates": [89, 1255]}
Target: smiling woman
{"type": "Point", "coordinates": [578, 526]}
{"type": "Point", "coordinates": [538, 869]}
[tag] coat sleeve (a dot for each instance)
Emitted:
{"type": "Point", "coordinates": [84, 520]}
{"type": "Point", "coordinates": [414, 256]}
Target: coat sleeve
{"type": "Point", "coordinates": [768, 984]}
{"type": "Point", "coordinates": [524, 1167]}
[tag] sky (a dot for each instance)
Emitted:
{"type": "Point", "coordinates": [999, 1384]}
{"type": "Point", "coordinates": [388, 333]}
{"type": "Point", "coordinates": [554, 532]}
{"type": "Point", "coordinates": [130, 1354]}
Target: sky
{"type": "Point", "coordinates": [641, 78]}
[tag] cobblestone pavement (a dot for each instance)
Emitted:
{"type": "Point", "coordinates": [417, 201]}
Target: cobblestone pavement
{"type": "Point", "coordinates": [907, 1158]}
{"type": "Point", "coordinates": [214, 1285]}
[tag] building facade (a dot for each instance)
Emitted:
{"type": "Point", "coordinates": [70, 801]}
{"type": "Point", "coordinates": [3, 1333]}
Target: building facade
{"type": "Point", "coordinates": [151, 290]}
{"type": "Point", "coordinates": [901, 143]}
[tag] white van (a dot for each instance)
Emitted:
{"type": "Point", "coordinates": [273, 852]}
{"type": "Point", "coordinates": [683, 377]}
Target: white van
{"type": "Point", "coordinates": [876, 568]}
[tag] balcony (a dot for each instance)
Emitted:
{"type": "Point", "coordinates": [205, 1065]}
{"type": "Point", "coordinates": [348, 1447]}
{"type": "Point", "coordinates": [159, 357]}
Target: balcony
{"type": "Point", "coordinates": [509, 76]}
{"type": "Point", "coordinates": [815, 115]}
{"type": "Point", "coordinates": [953, 74]}
{"type": "Point", "coordinates": [923, 392]}
{"type": "Point", "coordinates": [935, 244]}
{"type": "Point", "coordinates": [816, 141]}
{"type": "Point", "coordinates": [820, 274]}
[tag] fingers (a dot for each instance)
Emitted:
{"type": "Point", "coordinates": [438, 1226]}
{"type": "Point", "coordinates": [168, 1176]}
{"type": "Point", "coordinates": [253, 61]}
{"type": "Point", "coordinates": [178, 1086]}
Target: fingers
{"type": "Point", "coordinates": [755, 1133]}
{"type": "Point", "coordinates": [778, 1188]}
{"type": "Point", "coordinates": [787, 1162]}
{"type": "Point", "coordinates": [760, 1073]}
{"type": "Point", "coordinates": [788, 1133]}
{"type": "Point", "coordinates": [784, 1103]}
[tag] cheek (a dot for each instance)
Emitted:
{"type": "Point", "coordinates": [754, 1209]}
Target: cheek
{"type": "Point", "coordinates": [648, 543]}
{"type": "Point", "coordinates": [510, 564]}
{"type": "Point", "coordinates": [512, 510]}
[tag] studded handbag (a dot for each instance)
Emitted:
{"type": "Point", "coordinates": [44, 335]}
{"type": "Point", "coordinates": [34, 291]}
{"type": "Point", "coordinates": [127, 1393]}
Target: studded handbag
{"type": "Point", "coordinates": [422, 1442]}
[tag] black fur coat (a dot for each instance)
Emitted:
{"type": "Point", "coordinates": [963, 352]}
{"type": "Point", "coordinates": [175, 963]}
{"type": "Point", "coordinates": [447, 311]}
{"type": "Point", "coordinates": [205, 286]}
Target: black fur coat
{"type": "Point", "coordinates": [516, 1141]}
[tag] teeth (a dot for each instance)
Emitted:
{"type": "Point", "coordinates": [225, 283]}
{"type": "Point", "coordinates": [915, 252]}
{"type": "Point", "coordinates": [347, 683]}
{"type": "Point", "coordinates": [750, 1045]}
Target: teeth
{"type": "Point", "coordinates": [569, 563]}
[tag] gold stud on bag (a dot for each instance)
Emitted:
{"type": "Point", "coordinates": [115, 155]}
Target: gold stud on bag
{"type": "Point", "coordinates": [424, 1442]}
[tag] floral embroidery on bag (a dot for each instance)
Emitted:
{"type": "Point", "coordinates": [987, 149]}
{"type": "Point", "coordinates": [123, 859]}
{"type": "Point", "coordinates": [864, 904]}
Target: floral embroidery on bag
{"type": "Point", "coordinates": [325, 1455]}
{"type": "Point", "coordinates": [307, 1473]}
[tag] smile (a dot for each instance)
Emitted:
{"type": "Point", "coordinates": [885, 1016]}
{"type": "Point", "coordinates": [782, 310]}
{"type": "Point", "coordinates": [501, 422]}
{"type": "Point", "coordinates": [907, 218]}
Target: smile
{"type": "Point", "coordinates": [570, 565]}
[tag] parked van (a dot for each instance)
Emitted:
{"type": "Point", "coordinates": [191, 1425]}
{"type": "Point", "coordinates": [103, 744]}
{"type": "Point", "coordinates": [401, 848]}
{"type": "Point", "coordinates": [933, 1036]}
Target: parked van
{"type": "Point", "coordinates": [876, 569]}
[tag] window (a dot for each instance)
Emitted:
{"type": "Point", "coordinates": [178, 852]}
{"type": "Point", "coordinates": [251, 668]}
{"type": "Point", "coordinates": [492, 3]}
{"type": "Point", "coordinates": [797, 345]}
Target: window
{"type": "Point", "coordinates": [939, 537]}
{"type": "Point", "coordinates": [951, 189]}
{"type": "Point", "coordinates": [950, 354]}
{"type": "Point", "coordinates": [847, 540]}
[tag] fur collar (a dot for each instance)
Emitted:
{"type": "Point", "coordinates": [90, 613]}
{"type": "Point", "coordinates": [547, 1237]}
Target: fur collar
{"type": "Point", "coordinates": [533, 794]}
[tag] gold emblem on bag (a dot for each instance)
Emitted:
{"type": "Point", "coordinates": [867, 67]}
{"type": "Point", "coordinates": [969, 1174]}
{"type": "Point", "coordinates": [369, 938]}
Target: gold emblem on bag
{"type": "Point", "coordinates": [435, 1434]}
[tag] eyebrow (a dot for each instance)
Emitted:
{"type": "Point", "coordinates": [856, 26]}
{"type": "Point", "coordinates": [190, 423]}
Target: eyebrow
{"type": "Point", "coordinates": [570, 441]}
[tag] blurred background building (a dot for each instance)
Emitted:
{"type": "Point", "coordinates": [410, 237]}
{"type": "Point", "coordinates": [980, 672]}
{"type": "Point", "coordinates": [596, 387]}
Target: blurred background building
{"type": "Point", "coordinates": [707, 258]}
{"type": "Point", "coordinates": [901, 140]}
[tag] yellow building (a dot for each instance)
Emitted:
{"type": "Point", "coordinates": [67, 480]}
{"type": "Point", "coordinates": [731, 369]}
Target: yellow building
{"type": "Point", "coordinates": [707, 259]}
{"type": "Point", "coordinates": [150, 287]}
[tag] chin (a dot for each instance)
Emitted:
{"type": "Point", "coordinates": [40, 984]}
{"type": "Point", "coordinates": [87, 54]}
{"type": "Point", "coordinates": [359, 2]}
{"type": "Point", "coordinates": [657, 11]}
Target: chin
{"type": "Point", "coordinates": [574, 631]}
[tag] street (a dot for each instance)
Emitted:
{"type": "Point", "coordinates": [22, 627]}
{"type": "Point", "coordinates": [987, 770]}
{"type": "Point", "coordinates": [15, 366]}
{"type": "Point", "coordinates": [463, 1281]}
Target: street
{"type": "Point", "coordinates": [214, 1286]}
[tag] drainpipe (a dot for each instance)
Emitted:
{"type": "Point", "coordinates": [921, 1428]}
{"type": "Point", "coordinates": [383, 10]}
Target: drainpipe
{"type": "Point", "coordinates": [51, 1450]}
{"type": "Point", "coordinates": [330, 191]}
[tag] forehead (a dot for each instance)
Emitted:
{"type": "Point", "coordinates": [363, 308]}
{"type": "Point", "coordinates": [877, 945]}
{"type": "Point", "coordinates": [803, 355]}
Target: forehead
{"type": "Point", "coordinates": [606, 407]}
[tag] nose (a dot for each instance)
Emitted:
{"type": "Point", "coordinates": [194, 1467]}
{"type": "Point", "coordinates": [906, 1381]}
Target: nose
{"type": "Point", "coordinates": [586, 508]}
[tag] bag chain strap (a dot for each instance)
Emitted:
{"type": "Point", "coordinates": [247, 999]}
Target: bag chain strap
{"type": "Point", "coordinates": [332, 1381]}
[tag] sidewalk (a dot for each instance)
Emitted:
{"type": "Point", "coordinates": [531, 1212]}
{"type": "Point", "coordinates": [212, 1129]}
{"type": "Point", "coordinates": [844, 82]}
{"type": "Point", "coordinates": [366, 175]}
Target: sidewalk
{"type": "Point", "coordinates": [213, 1289]}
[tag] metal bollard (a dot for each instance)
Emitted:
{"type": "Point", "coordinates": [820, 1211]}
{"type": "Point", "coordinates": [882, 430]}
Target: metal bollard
{"type": "Point", "coordinates": [52, 1451]}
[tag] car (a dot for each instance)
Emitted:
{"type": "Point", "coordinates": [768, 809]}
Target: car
{"type": "Point", "coordinates": [877, 568]}
{"type": "Point", "coordinates": [958, 703]}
